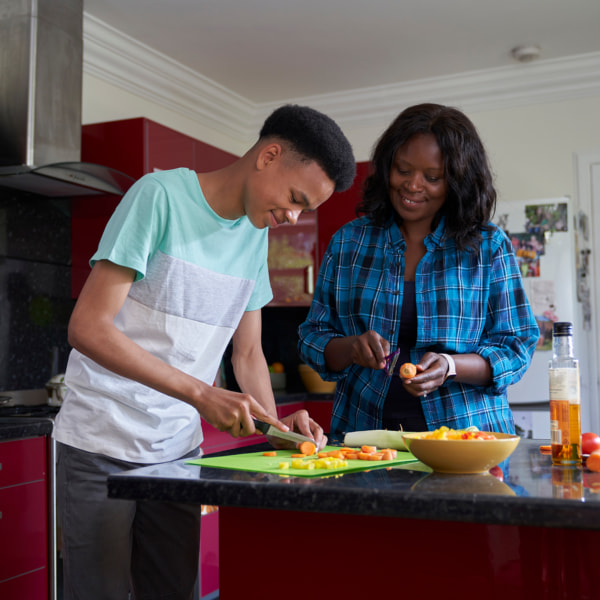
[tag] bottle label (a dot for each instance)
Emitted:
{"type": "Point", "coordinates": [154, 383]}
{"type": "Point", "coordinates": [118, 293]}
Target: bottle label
{"type": "Point", "coordinates": [564, 385]}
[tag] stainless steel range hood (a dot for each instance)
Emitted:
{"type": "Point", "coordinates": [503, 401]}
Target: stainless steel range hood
{"type": "Point", "coordinates": [41, 66]}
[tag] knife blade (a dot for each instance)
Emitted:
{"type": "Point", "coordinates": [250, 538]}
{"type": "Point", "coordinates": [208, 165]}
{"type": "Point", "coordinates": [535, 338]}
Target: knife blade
{"type": "Point", "coordinates": [269, 429]}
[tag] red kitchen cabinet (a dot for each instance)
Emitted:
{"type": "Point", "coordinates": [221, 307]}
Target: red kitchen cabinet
{"type": "Point", "coordinates": [139, 146]}
{"type": "Point", "coordinates": [292, 261]}
{"type": "Point", "coordinates": [24, 571]}
{"type": "Point", "coordinates": [295, 252]}
{"type": "Point", "coordinates": [135, 147]}
{"type": "Point", "coordinates": [339, 210]}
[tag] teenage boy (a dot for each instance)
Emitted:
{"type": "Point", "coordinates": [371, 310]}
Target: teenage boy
{"type": "Point", "coordinates": [181, 270]}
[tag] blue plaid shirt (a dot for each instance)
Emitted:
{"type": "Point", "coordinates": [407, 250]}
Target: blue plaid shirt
{"type": "Point", "coordinates": [467, 302]}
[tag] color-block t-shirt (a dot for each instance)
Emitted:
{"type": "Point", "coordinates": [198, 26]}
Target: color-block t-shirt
{"type": "Point", "coordinates": [196, 274]}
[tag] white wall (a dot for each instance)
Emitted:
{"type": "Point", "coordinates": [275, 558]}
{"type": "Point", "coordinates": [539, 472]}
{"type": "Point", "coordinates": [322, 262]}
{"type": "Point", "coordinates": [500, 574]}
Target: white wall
{"type": "Point", "coordinates": [531, 147]}
{"type": "Point", "coordinates": [103, 101]}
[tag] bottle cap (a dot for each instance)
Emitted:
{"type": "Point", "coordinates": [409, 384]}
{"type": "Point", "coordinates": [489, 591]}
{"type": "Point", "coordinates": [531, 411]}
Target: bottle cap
{"type": "Point", "coordinates": [563, 328]}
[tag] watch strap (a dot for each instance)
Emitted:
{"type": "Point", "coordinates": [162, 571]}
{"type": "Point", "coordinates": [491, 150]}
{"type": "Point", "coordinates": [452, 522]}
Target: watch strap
{"type": "Point", "coordinates": [451, 372]}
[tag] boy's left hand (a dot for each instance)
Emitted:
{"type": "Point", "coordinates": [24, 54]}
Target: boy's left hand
{"type": "Point", "coordinates": [301, 422]}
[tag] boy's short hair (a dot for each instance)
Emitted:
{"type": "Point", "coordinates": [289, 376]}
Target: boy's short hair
{"type": "Point", "coordinates": [314, 136]}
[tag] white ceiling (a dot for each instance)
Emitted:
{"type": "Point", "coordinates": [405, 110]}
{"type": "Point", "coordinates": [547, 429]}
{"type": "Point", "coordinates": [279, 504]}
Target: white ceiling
{"type": "Point", "coordinates": [271, 50]}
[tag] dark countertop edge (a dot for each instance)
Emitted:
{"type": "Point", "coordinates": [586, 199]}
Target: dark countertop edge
{"type": "Point", "coordinates": [23, 427]}
{"type": "Point", "coordinates": [492, 510]}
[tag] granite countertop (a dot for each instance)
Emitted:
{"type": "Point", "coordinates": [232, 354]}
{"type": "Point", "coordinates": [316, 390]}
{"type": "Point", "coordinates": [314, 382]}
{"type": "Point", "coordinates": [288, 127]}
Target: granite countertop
{"type": "Point", "coordinates": [527, 496]}
{"type": "Point", "coordinates": [12, 428]}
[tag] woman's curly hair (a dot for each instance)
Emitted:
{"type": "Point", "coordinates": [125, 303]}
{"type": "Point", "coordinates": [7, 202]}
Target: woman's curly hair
{"type": "Point", "coordinates": [471, 197]}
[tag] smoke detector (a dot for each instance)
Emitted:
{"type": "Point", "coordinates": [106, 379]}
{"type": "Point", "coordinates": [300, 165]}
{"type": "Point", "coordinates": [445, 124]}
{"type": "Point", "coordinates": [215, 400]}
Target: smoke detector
{"type": "Point", "coordinates": [526, 53]}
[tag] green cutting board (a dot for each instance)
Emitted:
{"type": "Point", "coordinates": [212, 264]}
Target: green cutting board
{"type": "Point", "coordinates": [256, 462]}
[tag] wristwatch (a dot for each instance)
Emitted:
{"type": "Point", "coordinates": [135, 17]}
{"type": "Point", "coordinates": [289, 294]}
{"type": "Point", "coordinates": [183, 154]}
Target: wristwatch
{"type": "Point", "coordinates": [451, 373]}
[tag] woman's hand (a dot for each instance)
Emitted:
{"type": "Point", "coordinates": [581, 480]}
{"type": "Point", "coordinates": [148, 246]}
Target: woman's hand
{"type": "Point", "coordinates": [367, 350]}
{"type": "Point", "coordinates": [432, 369]}
{"type": "Point", "coordinates": [431, 374]}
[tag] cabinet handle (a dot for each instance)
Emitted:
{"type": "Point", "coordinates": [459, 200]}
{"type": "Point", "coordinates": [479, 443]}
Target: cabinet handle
{"type": "Point", "coordinates": [309, 279]}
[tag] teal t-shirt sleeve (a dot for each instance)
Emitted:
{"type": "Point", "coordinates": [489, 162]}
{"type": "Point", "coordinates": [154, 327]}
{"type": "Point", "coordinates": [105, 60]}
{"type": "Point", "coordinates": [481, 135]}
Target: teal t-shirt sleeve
{"type": "Point", "coordinates": [136, 228]}
{"type": "Point", "coordinates": [262, 293]}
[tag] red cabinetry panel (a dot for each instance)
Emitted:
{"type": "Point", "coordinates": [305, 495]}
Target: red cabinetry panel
{"type": "Point", "coordinates": [209, 553]}
{"type": "Point", "coordinates": [135, 147]}
{"type": "Point", "coordinates": [295, 252]}
{"type": "Point", "coordinates": [22, 461]}
{"type": "Point", "coordinates": [28, 586]}
{"type": "Point", "coordinates": [292, 261]}
{"type": "Point", "coordinates": [23, 529]}
{"type": "Point", "coordinates": [23, 519]}
{"type": "Point", "coordinates": [339, 210]}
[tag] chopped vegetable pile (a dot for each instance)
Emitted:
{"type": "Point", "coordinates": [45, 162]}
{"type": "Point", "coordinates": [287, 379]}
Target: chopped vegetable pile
{"type": "Point", "coordinates": [444, 433]}
{"type": "Point", "coordinates": [335, 459]}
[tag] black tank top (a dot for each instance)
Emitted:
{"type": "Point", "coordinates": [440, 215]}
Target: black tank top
{"type": "Point", "coordinates": [401, 410]}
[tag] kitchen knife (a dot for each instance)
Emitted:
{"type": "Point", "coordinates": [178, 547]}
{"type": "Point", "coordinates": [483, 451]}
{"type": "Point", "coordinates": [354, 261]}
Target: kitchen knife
{"type": "Point", "coordinates": [269, 429]}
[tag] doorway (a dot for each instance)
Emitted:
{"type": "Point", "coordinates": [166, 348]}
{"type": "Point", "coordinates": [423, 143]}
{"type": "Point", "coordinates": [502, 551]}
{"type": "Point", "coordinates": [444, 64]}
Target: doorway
{"type": "Point", "coordinates": [587, 216]}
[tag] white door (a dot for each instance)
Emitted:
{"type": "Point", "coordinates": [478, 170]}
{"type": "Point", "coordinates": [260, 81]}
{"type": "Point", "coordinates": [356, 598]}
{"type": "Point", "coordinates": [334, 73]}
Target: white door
{"type": "Point", "coordinates": [587, 172]}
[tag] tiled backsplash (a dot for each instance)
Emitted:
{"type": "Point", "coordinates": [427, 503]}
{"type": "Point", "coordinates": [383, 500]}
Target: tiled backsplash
{"type": "Point", "coordinates": [35, 288]}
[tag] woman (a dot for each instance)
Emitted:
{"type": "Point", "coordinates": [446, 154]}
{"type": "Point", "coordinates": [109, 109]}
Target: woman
{"type": "Point", "coordinates": [423, 271]}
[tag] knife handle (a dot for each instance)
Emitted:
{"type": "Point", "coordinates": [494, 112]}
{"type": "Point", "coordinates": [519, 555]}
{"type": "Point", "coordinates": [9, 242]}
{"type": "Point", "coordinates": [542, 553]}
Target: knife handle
{"type": "Point", "coordinates": [261, 425]}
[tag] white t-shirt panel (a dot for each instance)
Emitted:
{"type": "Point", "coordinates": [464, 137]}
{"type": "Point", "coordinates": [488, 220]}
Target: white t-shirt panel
{"type": "Point", "coordinates": [196, 275]}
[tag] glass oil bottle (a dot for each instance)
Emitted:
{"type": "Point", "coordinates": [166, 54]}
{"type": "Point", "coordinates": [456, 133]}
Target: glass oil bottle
{"type": "Point", "coordinates": [565, 402]}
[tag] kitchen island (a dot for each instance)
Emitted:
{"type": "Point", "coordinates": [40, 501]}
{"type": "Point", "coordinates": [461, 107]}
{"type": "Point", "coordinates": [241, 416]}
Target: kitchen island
{"type": "Point", "coordinates": [400, 532]}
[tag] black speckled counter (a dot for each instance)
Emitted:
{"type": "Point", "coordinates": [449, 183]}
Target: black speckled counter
{"type": "Point", "coordinates": [12, 428]}
{"type": "Point", "coordinates": [528, 495]}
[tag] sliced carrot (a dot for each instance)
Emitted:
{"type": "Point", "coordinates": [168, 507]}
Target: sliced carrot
{"type": "Point", "coordinates": [271, 453]}
{"type": "Point", "coordinates": [376, 456]}
{"type": "Point", "coordinates": [336, 454]}
{"type": "Point", "coordinates": [352, 455]}
{"type": "Point", "coordinates": [387, 455]}
{"type": "Point", "coordinates": [364, 455]}
{"type": "Point", "coordinates": [368, 449]}
{"type": "Point", "coordinates": [408, 370]}
{"type": "Point", "coordinates": [323, 454]}
{"type": "Point", "coordinates": [307, 448]}
{"type": "Point", "coordinates": [298, 455]}
{"type": "Point", "coordinates": [593, 461]}
{"type": "Point", "coordinates": [392, 451]}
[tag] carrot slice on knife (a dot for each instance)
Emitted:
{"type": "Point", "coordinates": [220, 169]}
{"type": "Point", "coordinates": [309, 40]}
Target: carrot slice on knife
{"type": "Point", "coordinates": [307, 448]}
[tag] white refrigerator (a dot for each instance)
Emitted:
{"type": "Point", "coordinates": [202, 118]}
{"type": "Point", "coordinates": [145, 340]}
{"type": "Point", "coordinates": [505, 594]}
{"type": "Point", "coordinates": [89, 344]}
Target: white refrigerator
{"type": "Point", "coordinates": [545, 235]}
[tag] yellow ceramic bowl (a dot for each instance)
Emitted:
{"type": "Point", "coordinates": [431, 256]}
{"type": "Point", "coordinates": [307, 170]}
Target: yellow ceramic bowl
{"type": "Point", "coordinates": [461, 456]}
{"type": "Point", "coordinates": [312, 381]}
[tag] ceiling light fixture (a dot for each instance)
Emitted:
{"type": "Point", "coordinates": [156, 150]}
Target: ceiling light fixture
{"type": "Point", "coordinates": [526, 53]}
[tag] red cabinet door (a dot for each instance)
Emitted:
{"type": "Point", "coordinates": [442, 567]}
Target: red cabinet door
{"type": "Point", "coordinates": [339, 210]}
{"type": "Point", "coordinates": [22, 461]}
{"type": "Point", "coordinates": [292, 260]}
{"type": "Point", "coordinates": [163, 148]}
{"type": "Point", "coordinates": [30, 585]}
{"type": "Point", "coordinates": [23, 529]}
{"type": "Point", "coordinates": [23, 519]}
